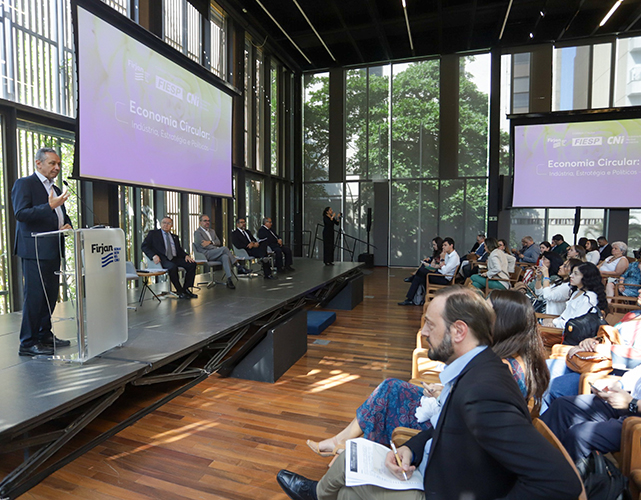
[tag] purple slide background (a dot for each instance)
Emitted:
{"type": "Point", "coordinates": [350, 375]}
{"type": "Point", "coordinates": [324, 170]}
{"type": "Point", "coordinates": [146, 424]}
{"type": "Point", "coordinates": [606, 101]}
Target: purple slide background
{"type": "Point", "coordinates": [114, 70]}
{"type": "Point", "coordinates": [584, 170]}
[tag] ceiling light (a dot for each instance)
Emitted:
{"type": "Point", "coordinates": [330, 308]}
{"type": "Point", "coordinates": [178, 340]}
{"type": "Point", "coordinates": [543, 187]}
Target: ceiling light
{"type": "Point", "coordinates": [531, 35]}
{"type": "Point", "coordinates": [542, 13]}
{"type": "Point", "coordinates": [609, 14]}
{"type": "Point", "coordinates": [407, 24]}
{"type": "Point", "coordinates": [507, 14]}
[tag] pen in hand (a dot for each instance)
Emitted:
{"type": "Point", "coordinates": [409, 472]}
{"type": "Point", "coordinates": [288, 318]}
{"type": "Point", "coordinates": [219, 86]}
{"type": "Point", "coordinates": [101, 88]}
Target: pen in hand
{"type": "Point", "coordinates": [398, 460]}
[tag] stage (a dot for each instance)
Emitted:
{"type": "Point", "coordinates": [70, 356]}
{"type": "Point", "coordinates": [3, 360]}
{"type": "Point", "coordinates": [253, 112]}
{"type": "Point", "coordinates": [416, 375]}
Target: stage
{"type": "Point", "coordinates": [46, 404]}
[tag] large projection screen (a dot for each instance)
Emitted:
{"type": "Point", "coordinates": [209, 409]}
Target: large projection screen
{"type": "Point", "coordinates": [591, 164]}
{"type": "Point", "coordinates": [145, 120]}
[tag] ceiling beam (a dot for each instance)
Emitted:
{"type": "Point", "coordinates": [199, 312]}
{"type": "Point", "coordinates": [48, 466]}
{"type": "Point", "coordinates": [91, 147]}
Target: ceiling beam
{"type": "Point", "coordinates": [347, 31]}
{"type": "Point", "coordinates": [567, 26]}
{"type": "Point", "coordinates": [472, 19]}
{"type": "Point", "coordinates": [635, 19]}
{"type": "Point", "coordinates": [373, 12]}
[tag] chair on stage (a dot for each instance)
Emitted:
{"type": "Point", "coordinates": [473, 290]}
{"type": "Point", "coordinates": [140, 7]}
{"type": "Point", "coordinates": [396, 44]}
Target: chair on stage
{"type": "Point", "coordinates": [200, 258]}
{"type": "Point", "coordinates": [131, 274]}
{"type": "Point", "coordinates": [241, 254]}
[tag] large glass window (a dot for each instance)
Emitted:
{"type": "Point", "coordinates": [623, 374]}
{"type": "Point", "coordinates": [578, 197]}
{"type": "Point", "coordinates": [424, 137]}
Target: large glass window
{"type": "Point", "coordinates": [127, 223]}
{"type": "Point", "coordinates": [521, 83]}
{"type": "Point", "coordinates": [36, 49]}
{"type": "Point", "coordinates": [5, 251]}
{"type": "Point", "coordinates": [474, 102]}
{"type": "Point", "coordinates": [172, 209]}
{"type": "Point", "coordinates": [273, 118]}
{"type": "Point", "coordinates": [121, 6]}
{"type": "Point", "coordinates": [317, 197]}
{"type": "Point", "coordinates": [218, 46]}
{"type": "Point", "coordinates": [415, 119]}
{"type": "Point", "coordinates": [182, 27]}
{"type": "Point", "coordinates": [601, 71]}
{"type": "Point", "coordinates": [255, 198]}
{"type": "Point", "coordinates": [570, 67]}
{"type": "Point", "coordinates": [259, 94]}
{"type": "Point", "coordinates": [627, 90]}
{"type": "Point", "coordinates": [195, 210]}
{"type": "Point", "coordinates": [316, 127]}
{"type": "Point", "coordinates": [634, 231]}
{"type": "Point", "coordinates": [378, 98]}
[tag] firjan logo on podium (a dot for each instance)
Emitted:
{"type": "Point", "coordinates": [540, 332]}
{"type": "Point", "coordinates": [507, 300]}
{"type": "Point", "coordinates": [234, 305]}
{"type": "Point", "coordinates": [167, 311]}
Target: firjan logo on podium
{"type": "Point", "coordinates": [108, 253]}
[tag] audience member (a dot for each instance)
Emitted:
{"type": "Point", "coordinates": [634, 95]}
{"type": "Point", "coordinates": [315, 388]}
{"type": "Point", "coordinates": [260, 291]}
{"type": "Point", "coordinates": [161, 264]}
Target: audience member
{"type": "Point", "coordinates": [478, 253]}
{"type": "Point", "coordinates": [631, 276]}
{"type": "Point", "coordinates": [164, 248]}
{"type": "Point", "coordinates": [275, 242]}
{"type": "Point", "coordinates": [440, 274]}
{"type": "Point", "coordinates": [587, 293]}
{"type": "Point", "coordinates": [559, 245]}
{"type": "Point", "coordinates": [206, 239]}
{"type": "Point", "coordinates": [582, 241]}
{"type": "Point", "coordinates": [616, 264]}
{"type": "Point", "coordinates": [497, 268]}
{"type": "Point", "coordinates": [437, 251]}
{"type": "Point", "coordinates": [605, 249]}
{"type": "Point", "coordinates": [594, 421]}
{"type": "Point", "coordinates": [241, 238]}
{"type": "Point", "coordinates": [577, 252]}
{"type": "Point", "coordinates": [529, 252]}
{"type": "Point", "coordinates": [483, 445]}
{"type": "Point", "coordinates": [555, 293]}
{"type": "Point", "coordinates": [394, 402]}
{"type": "Point", "coordinates": [592, 249]}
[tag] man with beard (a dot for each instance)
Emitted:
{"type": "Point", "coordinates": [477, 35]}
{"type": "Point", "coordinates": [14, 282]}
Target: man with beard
{"type": "Point", "coordinates": [483, 446]}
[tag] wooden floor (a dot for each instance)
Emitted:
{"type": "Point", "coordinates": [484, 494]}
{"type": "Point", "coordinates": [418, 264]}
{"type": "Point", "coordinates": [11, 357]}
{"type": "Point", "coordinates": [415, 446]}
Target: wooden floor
{"type": "Point", "coordinates": [227, 438]}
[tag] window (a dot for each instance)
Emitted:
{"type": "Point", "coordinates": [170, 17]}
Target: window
{"type": "Point", "coordinates": [218, 46]}
{"type": "Point", "coordinates": [627, 90]}
{"type": "Point", "coordinates": [182, 27]}
{"type": "Point", "coordinates": [273, 118]}
{"type": "Point", "coordinates": [121, 6]}
{"type": "Point", "coordinates": [521, 83]}
{"type": "Point", "coordinates": [172, 209]}
{"type": "Point", "coordinates": [195, 210]}
{"type": "Point", "coordinates": [316, 127]}
{"type": "Point", "coordinates": [36, 49]}
{"type": "Point", "coordinates": [259, 109]}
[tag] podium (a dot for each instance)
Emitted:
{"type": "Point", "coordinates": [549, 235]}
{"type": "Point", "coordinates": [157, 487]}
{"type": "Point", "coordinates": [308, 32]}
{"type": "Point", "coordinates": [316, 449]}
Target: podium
{"type": "Point", "coordinates": [99, 292]}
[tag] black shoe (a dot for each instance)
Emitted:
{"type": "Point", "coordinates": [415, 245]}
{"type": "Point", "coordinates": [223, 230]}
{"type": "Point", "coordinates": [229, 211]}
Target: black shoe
{"type": "Point", "coordinates": [271, 277]}
{"type": "Point", "coordinates": [242, 270]}
{"type": "Point", "coordinates": [183, 296]}
{"type": "Point", "coordinates": [50, 341]}
{"type": "Point", "coordinates": [191, 294]}
{"type": "Point", "coordinates": [406, 302]}
{"type": "Point", "coordinates": [290, 269]}
{"type": "Point", "coordinates": [35, 350]}
{"type": "Point", "coordinates": [297, 487]}
{"type": "Point", "coordinates": [230, 284]}
{"type": "Point", "coordinates": [408, 279]}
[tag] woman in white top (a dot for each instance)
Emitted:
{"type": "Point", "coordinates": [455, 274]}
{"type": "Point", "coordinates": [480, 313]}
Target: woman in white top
{"type": "Point", "coordinates": [587, 292]}
{"type": "Point", "coordinates": [556, 294]}
{"type": "Point", "coordinates": [592, 249]}
{"type": "Point", "coordinates": [615, 265]}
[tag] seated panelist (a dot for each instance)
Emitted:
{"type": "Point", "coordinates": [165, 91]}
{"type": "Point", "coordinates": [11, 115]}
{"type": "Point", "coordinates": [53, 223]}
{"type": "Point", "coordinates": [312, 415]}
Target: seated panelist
{"type": "Point", "coordinates": [242, 238]}
{"type": "Point", "coordinates": [163, 247]}
{"type": "Point", "coordinates": [275, 242]}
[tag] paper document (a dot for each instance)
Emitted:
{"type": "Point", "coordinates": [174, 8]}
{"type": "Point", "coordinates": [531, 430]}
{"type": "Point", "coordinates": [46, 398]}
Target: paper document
{"type": "Point", "coordinates": [365, 464]}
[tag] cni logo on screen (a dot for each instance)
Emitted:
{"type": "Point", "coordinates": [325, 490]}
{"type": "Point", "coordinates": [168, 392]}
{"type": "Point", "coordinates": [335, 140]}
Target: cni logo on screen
{"type": "Point", "coordinates": [108, 253]}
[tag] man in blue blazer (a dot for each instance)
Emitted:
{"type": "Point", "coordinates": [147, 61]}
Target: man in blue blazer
{"type": "Point", "coordinates": [163, 247]}
{"type": "Point", "coordinates": [482, 445]}
{"type": "Point", "coordinates": [38, 205]}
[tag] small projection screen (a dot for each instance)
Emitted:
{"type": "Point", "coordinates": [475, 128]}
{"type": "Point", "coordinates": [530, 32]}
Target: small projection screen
{"type": "Point", "coordinates": [145, 120]}
{"type": "Point", "coordinates": [590, 162]}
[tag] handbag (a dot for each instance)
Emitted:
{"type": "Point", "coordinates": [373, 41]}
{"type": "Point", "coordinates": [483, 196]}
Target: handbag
{"type": "Point", "coordinates": [588, 362]}
{"type": "Point", "coordinates": [582, 327]}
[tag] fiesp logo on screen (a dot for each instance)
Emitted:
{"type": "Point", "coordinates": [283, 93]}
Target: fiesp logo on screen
{"type": "Point", "coordinates": [587, 141]}
{"type": "Point", "coordinates": [169, 88]}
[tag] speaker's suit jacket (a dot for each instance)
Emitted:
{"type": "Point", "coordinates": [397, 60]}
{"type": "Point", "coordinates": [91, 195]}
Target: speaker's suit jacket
{"type": "Point", "coordinates": [154, 244]}
{"type": "Point", "coordinates": [34, 215]}
{"type": "Point", "coordinates": [485, 444]}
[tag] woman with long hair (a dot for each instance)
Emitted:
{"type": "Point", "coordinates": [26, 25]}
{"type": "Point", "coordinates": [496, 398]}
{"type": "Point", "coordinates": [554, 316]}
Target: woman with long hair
{"type": "Point", "coordinates": [497, 267]}
{"type": "Point", "coordinates": [437, 250]}
{"type": "Point", "coordinates": [592, 249]}
{"type": "Point", "coordinates": [576, 252]}
{"type": "Point", "coordinates": [556, 292]}
{"type": "Point", "coordinates": [586, 292]}
{"type": "Point", "coordinates": [395, 402]}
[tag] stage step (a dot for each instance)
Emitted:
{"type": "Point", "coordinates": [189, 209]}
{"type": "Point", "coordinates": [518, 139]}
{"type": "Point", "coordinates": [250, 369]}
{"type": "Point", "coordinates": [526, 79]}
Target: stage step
{"type": "Point", "coordinates": [317, 321]}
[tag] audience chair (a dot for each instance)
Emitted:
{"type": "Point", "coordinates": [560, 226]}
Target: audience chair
{"type": "Point", "coordinates": [515, 277]}
{"type": "Point", "coordinates": [545, 431]}
{"type": "Point", "coordinates": [424, 369]}
{"type": "Point", "coordinates": [630, 456]}
{"type": "Point", "coordinates": [200, 258]}
{"type": "Point", "coordinates": [431, 288]}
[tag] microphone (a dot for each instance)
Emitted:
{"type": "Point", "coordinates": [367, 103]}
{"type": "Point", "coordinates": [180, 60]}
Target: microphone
{"type": "Point", "coordinates": [95, 217]}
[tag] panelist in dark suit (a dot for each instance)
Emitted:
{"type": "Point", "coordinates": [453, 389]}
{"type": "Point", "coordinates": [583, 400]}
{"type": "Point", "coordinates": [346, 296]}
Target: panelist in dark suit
{"type": "Point", "coordinates": [241, 238]}
{"type": "Point", "coordinates": [275, 242]}
{"type": "Point", "coordinates": [38, 205]}
{"type": "Point", "coordinates": [163, 247]}
{"type": "Point", "coordinates": [482, 444]}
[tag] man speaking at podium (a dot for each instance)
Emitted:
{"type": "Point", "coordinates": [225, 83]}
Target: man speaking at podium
{"type": "Point", "coordinates": [38, 205]}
